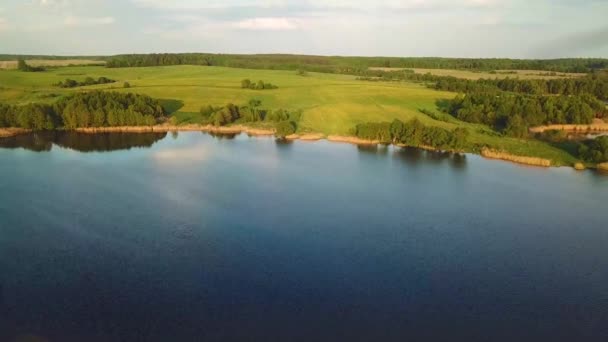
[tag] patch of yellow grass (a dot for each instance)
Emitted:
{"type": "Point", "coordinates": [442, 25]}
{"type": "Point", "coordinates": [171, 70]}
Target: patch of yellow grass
{"type": "Point", "coordinates": [50, 63]}
{"type": "Point", "coordinates": [500, 74]}
{"type": "Point", "coordinates": [493, 154]}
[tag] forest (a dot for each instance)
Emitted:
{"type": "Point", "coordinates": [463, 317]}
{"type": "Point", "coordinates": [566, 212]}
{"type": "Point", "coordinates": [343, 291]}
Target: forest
{"type": "Point", "coordinates": [513, 114]}
{"type": "Point", "coordinates": [352, 65]}
{"type": "Point", "coordinates": [595, 84]}
{"type": "Point", "coordinates": [91, 109]}
{"type": "Point", "coordinates": [413, 133]}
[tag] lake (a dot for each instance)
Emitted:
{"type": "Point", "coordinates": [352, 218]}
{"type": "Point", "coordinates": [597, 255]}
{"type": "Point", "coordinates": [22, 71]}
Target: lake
{"type": "Point", "coordinates": [193, 237]}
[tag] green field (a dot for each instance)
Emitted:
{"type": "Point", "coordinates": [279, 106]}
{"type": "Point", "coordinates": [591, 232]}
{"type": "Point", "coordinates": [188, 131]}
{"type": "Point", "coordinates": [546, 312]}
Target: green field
{"type": "Point", "coordinates": [331, 103]}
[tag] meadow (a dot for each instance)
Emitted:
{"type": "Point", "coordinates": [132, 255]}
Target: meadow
{"type": "Point", "coordinates": [331, 104]}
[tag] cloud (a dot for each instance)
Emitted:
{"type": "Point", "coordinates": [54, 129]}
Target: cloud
{"type": "Point", "coordinates": [316, 4]}
{"type": "Point", "coordinates": [270, 24]}
{"type": "Point", "coordinates": [196, 153]}
{"type": "Point", "coordinates": [53, 3]}
{"type": "Point", "coordinates": [201, 5]}
{"type": "Point", "coordinates": [577, 43]}
{"type": "Point", "coordinates": [3, 24]}
{"type": "Point", "coordinates": [75, 21]}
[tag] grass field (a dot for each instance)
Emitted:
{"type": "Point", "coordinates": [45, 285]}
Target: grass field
{"type": "Point", "coordinates": [475, 75]}
{"type": "Point", "coordinates": [331, 104]}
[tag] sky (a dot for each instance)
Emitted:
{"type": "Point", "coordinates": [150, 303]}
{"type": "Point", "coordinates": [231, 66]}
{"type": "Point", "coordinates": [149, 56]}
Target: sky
{"type": "Point", "coordinates": [447, 28]}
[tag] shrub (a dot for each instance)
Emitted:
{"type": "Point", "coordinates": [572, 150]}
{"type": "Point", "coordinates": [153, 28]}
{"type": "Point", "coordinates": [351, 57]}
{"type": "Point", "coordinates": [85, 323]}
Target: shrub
{"type": "Point", "coordinates": [285, 128]}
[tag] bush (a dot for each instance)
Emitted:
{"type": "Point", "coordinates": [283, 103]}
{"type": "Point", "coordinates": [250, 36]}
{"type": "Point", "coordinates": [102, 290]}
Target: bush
{"type": "Point", "coordinates": [595, 151]}
{"type": "Point", "coordinates": [126, 85]}
{"type": "Point", "coordinates": [23, 66]}
{"type": "Point", "coordinates": [260, 85]}
{"type": "Point", "coordinates": [69, 83]}
{"type": "Point", "coordinates": [285, 128]}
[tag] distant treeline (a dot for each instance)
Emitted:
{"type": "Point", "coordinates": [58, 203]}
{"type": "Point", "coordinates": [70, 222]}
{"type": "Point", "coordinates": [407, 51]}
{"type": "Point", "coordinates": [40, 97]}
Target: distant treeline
{"type": "Point", "coordinates": [413, 133]}
{"type": "Point", "coordinates": [260, 85]}
{"type": "Point", "coordinates": [594, 84]}
{"type": "Point", "coordinates": [353, 65]}
{"type": "Point", "coordinates": [69, 83]}
{"type": "Point", "coordinates": [91, 109]}
{"type": "Point", "coordinates": [285, 121]}
{"type": "Point", "coordinates": [513, 114]}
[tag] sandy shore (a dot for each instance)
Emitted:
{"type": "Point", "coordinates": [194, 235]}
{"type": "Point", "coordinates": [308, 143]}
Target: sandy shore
{"type": "Point", "coordinates": [171, 128]}
{"type": "Point", "coordinates": [306, 136]}
{"type": "Point", "coordinates": [9, 132]}
{"type": "Point", "coordinates": [533, 161]}
{"type": "Point", "coordinates": [596, 126]}
{"type": "Point", "coordinates": [351, 140]}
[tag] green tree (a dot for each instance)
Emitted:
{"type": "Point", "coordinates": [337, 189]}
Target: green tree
{"type": "Point", "coordinates": [285, 128]}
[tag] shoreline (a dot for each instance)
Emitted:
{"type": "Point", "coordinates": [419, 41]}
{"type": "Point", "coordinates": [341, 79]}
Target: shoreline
{"type": "Point", "coordinates": [594, 127]}
{"type": "Point", "coordinates": [12, 131]}
{"type": "Point", "coordinates": [500, 155]}
{"type": "Point", "coordinates": [239, 129]}
{"type": "Point", "coordinates": [172, 128]}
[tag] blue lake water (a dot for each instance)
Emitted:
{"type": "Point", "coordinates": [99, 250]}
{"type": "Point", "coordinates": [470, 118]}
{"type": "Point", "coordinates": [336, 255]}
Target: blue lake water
{"type": "Point", "coordinates": [192, 237]}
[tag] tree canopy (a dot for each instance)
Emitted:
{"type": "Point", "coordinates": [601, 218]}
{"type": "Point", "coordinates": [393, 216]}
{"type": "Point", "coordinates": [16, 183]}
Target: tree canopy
{"type": "Point", "coordinates": [90, 109]}
{"type": "Point", "coordinates": [412, 133]}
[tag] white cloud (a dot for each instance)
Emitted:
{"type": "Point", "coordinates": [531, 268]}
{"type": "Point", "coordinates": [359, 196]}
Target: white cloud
{"type": "Point", "coordinates": [53, 3]}
{"type": "Point", "coordinates": [207, 4]}
{"type": "Point", "coordinates": [314, 4]}
{"type": "Point", "coordinates": [271, 24]}
{"type": "Point", "coordinates": [74, 21]}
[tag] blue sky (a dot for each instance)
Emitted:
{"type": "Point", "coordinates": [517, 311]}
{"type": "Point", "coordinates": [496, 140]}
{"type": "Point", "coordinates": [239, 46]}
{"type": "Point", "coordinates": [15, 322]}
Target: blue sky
{"type": "Point", "coordinates": [452, 28]}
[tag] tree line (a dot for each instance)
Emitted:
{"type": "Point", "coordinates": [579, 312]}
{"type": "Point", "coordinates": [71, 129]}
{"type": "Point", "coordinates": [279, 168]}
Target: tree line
{"type": "Point", "coordinates": [412, 133]}
{"type": "Point", "coordinates": [69, 83]}
{"type": "Point", "coordinates": [594, 84]}
{"type": "Point", "coordinates": [513, 114]}
{"type": "Point", "coordinates": [260, 85]}
{"type": "Point", "coordinates": [285, 121]}
{"type": "Point", "coordinates": [353, 65]}
{"type": "Point", "coordinates": [90, 109]}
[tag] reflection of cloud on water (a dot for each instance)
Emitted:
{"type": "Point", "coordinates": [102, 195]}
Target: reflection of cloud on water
{"type": "Point", "coordinates": [194, 153]}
